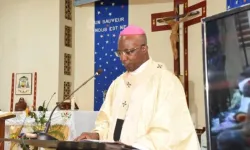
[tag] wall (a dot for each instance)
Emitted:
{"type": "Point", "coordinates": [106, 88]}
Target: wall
{"type": "Point", "coordinates": [84, 55]}
{"type": "Point", "coordinates": [29, 42]}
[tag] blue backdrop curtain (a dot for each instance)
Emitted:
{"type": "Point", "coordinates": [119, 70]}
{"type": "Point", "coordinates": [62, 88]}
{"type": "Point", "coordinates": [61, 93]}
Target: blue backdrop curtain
{"type": "Point", "coordinates": [236, 3]}
{"type": "Point", "coordinates": [111, 16]}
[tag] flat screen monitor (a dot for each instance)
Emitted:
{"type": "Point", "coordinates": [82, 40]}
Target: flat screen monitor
{"type": "Point", "coordinates": [226, 59]}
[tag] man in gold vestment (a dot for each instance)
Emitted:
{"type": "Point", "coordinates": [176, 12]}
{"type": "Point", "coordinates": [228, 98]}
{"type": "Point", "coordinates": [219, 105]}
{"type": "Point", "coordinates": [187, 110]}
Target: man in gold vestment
{"type": "Point", "coordinates": [145, 107]}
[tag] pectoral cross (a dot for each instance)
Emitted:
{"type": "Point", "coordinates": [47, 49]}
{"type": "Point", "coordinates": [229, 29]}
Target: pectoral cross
{"type": "Point", "coordinates": [128, 84]}
{"type": "Point", "coordinates": [159, 66]}
{"type": "Point", "coordinates": [124, 104]}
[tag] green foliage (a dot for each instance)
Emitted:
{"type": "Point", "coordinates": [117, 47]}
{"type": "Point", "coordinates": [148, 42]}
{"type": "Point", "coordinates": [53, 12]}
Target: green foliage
{"type": "Point", "coordinates": [40, 122]}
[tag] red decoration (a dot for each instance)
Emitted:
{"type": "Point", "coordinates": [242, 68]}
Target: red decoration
{"type": "Point", "coordinates": [35, 92]}
{"type": "Point", "coordinates": [12, 91]}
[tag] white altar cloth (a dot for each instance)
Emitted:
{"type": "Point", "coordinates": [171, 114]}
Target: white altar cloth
{"type": "Point", "coordinates": [77, 121]}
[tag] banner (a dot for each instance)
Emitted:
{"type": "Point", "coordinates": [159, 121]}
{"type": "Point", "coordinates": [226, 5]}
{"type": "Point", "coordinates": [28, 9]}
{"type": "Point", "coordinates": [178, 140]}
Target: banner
{"type": "Point", "coordinates": [236, 3]}
{"type": "Point", "coordinates": [111, 16]}
{"type": "Point", "coordinates": [82, 2]}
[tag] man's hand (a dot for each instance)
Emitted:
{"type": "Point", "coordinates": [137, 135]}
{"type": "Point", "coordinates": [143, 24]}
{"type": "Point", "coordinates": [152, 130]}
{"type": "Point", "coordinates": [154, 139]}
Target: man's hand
{"type": "Point", "coordinates": [87, 135]}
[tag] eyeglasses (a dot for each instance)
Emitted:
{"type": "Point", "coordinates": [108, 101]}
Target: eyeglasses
{"type": "Point", "coordinates": [127, 52]}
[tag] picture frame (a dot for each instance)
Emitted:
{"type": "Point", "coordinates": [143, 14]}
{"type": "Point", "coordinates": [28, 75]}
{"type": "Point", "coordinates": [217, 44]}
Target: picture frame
{"type": "Point", "coordinates": [23, 84]}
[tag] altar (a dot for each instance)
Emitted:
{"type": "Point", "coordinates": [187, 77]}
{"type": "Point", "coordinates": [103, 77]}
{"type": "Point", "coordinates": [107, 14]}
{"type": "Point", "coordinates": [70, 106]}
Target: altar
{"type": "Point", "coordinates": [74, 123]}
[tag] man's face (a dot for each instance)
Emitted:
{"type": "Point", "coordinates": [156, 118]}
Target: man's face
{"type": "Point", "coordinates": [131, 51]}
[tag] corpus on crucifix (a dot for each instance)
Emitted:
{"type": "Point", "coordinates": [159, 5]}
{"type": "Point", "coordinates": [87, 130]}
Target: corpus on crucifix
{"type": "Point", "coordinates": [174, 24]}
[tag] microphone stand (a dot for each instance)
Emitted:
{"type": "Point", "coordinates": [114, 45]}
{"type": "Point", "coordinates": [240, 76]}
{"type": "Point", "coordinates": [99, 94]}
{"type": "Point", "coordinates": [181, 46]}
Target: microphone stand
{"type": "Point", "coordinates": [43, 135]}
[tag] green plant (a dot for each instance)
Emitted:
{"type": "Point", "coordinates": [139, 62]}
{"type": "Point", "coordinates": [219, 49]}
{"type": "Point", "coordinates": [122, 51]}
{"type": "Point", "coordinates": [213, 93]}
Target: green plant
{"type": "Point", "coordinates": [39, 125]}
{"type": "Point", "coordinates": [40, 122]}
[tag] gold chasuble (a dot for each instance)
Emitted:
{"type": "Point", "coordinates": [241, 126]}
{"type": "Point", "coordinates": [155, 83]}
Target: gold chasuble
{"type": "Point", "coordinates": [147, 109]}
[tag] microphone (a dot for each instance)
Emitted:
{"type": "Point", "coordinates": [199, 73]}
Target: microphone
{"type": "Point", "coordinates": [43, 135]}
{"type": "Point", "coordinates": [42, 108]}
{"type": "Point", "coordinates": [50, 99]}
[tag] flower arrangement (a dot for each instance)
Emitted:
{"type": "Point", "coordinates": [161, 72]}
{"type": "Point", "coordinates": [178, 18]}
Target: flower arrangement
{"type": "Point", "coordinates": [39, 124]}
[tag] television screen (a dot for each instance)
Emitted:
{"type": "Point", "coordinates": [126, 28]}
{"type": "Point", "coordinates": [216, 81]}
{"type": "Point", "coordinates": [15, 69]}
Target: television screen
{"type": "Point", "coordinates": [226, 44]}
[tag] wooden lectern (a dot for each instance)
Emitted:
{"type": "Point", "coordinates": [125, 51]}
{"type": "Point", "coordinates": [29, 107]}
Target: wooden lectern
{"type": "Point", "coordinates": [71, 145]}
{"type": "Point", "coordinates": [4, 117]}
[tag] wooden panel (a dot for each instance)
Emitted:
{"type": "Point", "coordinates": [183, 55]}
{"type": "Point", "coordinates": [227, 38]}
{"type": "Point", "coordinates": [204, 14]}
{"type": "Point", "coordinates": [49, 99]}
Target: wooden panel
{"type": "Point", "coordinates": [199, 5]}
{"type": "Point", "coordinates": [188, 23]}
{"type": "Point", "coordinates": [35, 92]}
{"type": "Point", "coordinates": [156, 16]}
{"type": "Point", "coordinates": [12, 91]}
{"type": "Point", "coordinates": [2, 130]}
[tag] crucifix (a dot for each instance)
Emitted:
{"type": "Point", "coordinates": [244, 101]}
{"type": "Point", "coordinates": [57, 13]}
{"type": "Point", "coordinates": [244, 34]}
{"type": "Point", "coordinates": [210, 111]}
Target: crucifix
{"type": "Point", "coordinates": [174, 25]}
{"type": "Point", "coordinates": [172, 19]}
